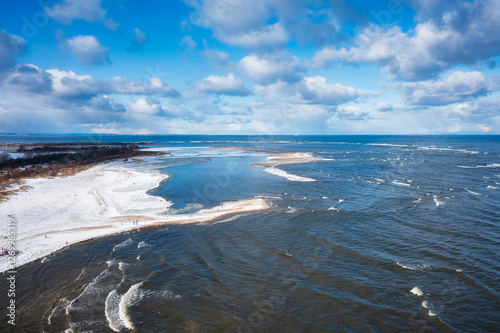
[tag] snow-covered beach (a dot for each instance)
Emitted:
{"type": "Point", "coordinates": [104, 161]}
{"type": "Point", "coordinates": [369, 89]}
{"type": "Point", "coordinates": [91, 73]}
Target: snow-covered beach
{"type": "Point", "coordinates": [107, 199]}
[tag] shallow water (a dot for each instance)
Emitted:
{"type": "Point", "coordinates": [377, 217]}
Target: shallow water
{"type": "Point", "coordinates": [340, 254]}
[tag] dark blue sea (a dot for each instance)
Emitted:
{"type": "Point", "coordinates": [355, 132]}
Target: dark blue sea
{"type": "Point", "coordinates": [399, 233]}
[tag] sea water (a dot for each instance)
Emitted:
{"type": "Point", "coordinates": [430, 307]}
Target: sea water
{"type": "Point", "coordinates": [396, 234]}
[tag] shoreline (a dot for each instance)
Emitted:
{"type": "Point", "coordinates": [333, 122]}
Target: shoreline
{"type": "Point", "coordinates": [277, 158]}
{"type": "Point", "coordinates": [107, 199]}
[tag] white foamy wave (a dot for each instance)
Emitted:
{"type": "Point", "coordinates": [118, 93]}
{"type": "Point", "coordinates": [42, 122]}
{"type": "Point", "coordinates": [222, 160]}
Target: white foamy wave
{"type": "Point", "coordinates": [414, 267]}
{"type": "Point", "coordinates": [81, 273]}
{"type": "Point", "coordinates": [58, 309]}
{"type": "Point", "coordinates": [124, 267]}
{"type": "Point", "coordinates": [291, 210]}
{"type": "Point", "coordinates": [494, 165]}
{"type": "Point", "coordinates": [431, 314]}
{"type": "Point", "coordinates": [128, 299]}
{"type": "Point", "coordinates": [143, 244]}
{"type": "Point", "coordinates": [417, 291]}
{"type": "Point", "coordinates": [492, 187]}
{"type": "Point", "coordinates": [341, 200]}
{"type": "Point", "coordinates": [400, 183]}
{"type": "Point", "coordinates": [475, 193]}
{"type": "Point", "coordinates": [334, 209]}
{"type": "Point", "coordinates": [112, 311]}
{"type": "Point", "coordinates": [465, 151]}
{"type": "Point", "coordinates": [385, 144]}
{"type": "Point", "coordinates": [126, 243]}
{"type": "Point", "coordinates": [425, 304]}
{"type": "Point", "coordinates": [438, 202]}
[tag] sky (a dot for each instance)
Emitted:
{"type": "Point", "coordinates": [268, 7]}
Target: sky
{"type": "Point", "coordinates": [265, 67]}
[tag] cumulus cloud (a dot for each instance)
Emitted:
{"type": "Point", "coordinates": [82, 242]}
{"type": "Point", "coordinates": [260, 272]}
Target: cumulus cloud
{"type": "Point", "coordinates": [31, 79]}
{"type": "Point", "coordinates": [142, 106]}
{"type": "Point", "coordinates": [270, 67]}
{"type": "Point", "coordinates": [351, 112]}
{"type": "Point", "coordinates": [273, 23]}
{"type": "Point", "coordinates": [313, 90]}
{"type": "Point", "coordinates": [145, 108]}
{"type": "Point", "coordinates": [69, 86]}
{"type": "Point", "coordinates": [230, 19]}
{"type": "Point", "coordinates": [270, 35]}
{"type": "Point", "coordinates": [457, 87]}
{"type": "Point", "coordinates": [88, 10]}
{"type": "Point", "coordinates": [462, 35]}
{"type": "Point", "coordinates": [224, 85]}
{"type": "Point", "coordinates": [10, 45]}
{"type": "Point", "coordinates": [87, 50]}
{"type": "Point", "coordinates": [384, 106]}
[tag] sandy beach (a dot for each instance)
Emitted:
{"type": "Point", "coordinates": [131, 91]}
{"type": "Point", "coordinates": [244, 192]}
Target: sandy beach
{"type": "Point", "coordinates": [274, 160]}
{"type": "Point", "coordinates": [104, 200]}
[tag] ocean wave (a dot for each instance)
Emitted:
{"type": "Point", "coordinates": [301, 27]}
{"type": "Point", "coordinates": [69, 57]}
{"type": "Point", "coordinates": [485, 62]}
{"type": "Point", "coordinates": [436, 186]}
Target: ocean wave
{"type": "Point", "coordinates": [416, 291]}
{"type": "Point", "coordinates": [400, 183]}
{"type": "Point", "coordinates": [126, 243]}
{"type": "Point", "coordinates": [494, 165]}
{"type": "Point", "coordinates": [475, 193]}
{"type": "Point", "coordinates": [111, 310]}
{"type": "Point", "coordinates": [414, 267]}
{"type": "Point", "coordinates": [438, 202]}
{"type": "Point", "coordinates": [465, 151]}
{"type": "Point", "coordinates": [385, 144]}
{"type": "Point", "coordinates": [143, 244]}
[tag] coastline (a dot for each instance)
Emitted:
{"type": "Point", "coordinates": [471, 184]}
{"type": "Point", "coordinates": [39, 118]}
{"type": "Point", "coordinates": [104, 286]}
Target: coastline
{"type": "Point", "coordinates": [107, 199]}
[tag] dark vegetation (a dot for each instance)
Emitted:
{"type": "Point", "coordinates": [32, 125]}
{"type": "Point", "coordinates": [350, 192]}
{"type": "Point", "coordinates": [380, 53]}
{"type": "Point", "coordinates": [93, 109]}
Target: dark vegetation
{"type": "Point", "coordinates": [63, 160]}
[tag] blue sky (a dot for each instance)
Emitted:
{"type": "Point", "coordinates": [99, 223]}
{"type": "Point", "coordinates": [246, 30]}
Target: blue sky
{"type": "Point", "coordinates": [250, 67]}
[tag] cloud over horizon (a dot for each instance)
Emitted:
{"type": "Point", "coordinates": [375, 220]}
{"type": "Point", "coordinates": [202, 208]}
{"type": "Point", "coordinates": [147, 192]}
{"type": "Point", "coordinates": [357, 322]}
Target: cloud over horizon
{"type": "Point", "coordinates": [245, 67]}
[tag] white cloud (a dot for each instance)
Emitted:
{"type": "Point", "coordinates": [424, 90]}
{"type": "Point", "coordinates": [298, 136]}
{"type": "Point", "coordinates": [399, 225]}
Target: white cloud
{"type": "Point", "coordinates": [240, 22]}
{"type": "Point", "coordinates": [271, 35]}
{"type": "Point", "coordinates": [87, 50]}
{"type": "Point", "coordinates": [88, 10]}
{"type": "Point", "coordinates": [30, 79]}
{"type": "Point", "coordinates": [465, 34]}
{"type": "Point", "coordinates": [312, 90]}
{"type": "Point", "coordinates": [142, 106]}
{"type": "Point", "coordinates": [224, 85]}
{"type": "Point", "coordinates": [9, 46]}
{"type": "Point", "coordinates": [457, 87]}
{"type": "Point", "coordinates": [268, 68]}
{"type": "Point", "coordinates": [71, 85]}
{"type": "Point", "coordinates": [384, 106]}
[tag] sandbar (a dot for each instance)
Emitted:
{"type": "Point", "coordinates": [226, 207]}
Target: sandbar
{"type": "Point", "coordinates": [108, 199]}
